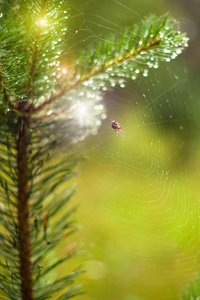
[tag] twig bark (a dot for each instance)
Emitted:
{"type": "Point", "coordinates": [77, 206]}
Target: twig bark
{"type": "Point", "coordinates": [23, 143]}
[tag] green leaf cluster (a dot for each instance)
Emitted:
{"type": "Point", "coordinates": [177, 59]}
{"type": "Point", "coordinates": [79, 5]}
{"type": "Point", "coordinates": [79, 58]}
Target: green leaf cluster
{"type": "Point", "coordinates": [51, 188]}
{"type": "Point", "coordinates": [31, 39]}
{"type": "Point", "coordinates": [113, 60]}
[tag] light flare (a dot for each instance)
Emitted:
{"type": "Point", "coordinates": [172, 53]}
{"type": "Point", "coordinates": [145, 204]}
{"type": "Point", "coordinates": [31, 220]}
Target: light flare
{"type": "Point", "coordinates": [42, 22]}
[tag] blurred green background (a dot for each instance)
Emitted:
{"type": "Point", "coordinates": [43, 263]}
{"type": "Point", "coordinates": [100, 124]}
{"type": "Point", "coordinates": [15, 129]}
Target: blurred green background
{"type": "Point", "coordinates": [138, 195]}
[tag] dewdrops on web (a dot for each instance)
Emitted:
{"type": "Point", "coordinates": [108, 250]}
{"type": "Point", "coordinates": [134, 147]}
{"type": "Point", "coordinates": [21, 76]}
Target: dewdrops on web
{"type": "Point", "coordinates": [83, 108]}
{"type": "Point", "coordinates": [81, 111]}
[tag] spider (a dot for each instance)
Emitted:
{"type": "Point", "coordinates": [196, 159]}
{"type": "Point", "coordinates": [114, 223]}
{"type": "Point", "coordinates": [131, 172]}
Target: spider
{"type": "Point", "coordinates": [115, 125]}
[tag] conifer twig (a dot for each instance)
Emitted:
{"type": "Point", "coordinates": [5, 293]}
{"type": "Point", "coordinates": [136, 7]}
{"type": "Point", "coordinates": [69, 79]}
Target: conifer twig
{"type": "Point", "coordinates": [23, 209]}
{"type": "Point", "coordinates": [93, 72]}
{"type": "Point", "coordinates": [144, 45]}
{"type": "Point", "coordinates": [3, 89]}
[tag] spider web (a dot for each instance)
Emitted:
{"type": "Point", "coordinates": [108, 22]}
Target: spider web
{"type": "Point", "coordinates": [138, 193]}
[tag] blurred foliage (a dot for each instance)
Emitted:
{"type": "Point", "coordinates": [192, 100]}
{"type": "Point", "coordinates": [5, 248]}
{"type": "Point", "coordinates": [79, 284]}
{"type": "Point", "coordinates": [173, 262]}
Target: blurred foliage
{"type": "Point", "coordinates": [140, 248]}
{"type": "Point", "coordinates": [193, 290]}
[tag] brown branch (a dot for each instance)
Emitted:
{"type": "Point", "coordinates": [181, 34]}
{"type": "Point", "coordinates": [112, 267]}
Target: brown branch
{"type": "Point", "coordinates": [23, 142]}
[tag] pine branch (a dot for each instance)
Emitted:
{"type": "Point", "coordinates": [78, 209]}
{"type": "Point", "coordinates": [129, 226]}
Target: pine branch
{"type": "Point", "coordinates": [3, 90]}
{"type": "Point", "coordinates": [32, 73]}
{"type": "Point", "coordinates": [138, 50]}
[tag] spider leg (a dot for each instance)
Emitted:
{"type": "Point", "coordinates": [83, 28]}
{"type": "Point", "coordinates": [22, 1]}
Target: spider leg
{"type": "Point", "coordinates": [120, 132]}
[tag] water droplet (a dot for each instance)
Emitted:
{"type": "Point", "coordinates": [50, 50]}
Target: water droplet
{"type": "Point", "coordinates": [103, 116]}
{"type": "Point", "coordinates": [90, 81]}
{"type": "Point", "coordinates": [174, 55]}
{"type": "Point", "coordinates": [108, 69]}
{"type": "Point", "coordinates": [98, 122]}
{"type": "Point", "coordinates": [145, 74]}
{"type": "Point", "coordinates": [150, 65]}
{"type": "Point", "coordinates": [101, 76]}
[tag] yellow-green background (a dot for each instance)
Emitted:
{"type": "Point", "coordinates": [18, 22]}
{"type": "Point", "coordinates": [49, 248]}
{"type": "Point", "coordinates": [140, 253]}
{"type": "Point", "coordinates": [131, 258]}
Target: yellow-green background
{"type": "Point", "coordinates": [138, 195]}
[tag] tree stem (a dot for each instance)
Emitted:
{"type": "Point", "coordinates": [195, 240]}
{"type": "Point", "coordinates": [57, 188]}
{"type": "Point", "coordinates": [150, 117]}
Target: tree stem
{"type": "Point", "coordinates": [23, 143]}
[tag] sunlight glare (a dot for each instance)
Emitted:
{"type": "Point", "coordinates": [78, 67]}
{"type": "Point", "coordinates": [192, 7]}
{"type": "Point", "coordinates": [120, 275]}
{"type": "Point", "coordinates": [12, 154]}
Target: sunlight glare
{"type": "Point", "coordinates": [42, 22]}
{"type": "Point", "coordinates": [82, 112]}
